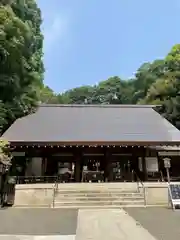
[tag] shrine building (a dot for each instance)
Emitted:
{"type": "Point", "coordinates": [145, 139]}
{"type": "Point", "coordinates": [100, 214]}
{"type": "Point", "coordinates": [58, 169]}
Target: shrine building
{"type": "Point", "coordinates": [94, 143]}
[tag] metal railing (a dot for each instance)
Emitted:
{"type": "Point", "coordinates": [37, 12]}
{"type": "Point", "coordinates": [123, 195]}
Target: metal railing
{"type": "Point", "coordinates": [93, 176]}
{"type": "Point", "coordinates": [140, 185]}
{"type": "Point", "coordinates": [43, 179]}
{"type": "Point", "coordinates": [55, 188]}
{"type": "Point", "coordinates": [35, 179]}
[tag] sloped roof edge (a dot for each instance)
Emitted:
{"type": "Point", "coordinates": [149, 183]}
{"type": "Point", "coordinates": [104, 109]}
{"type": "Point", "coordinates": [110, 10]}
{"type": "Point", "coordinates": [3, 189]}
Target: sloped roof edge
{"type": "Point", "coordinates": [99, 105]}
{"type": "Point", "coordinates": [94, 123]}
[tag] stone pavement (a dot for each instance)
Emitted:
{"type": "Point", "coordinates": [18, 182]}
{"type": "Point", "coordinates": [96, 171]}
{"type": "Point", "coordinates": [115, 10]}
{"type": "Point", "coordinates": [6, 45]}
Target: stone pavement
{"type": "Point", "coordinates": [40, 221]}
{"type": "Point", "coordinates": [109, 224]}
{"type": "Point", "coordinates": [28, 237]}
{"type": "Point", "coordinates": [160, 222]}
{"type": "Point", "coordinates": [94, 224]}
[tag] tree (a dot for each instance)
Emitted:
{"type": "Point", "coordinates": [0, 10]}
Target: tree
{"type": "Point", "coordinates": [145, 76]}
{"type": "Point", "coordinates": [5, 155]}
{"type": "Point", "coordinates": [78, 95]}
{"type": "Point", "coordinates": [47, 95]}
{"type": "Point", "coordinates": [110, 91]}
{"type": "Point", "coordinates": [166, 90]}
{"type": "Point", "coordinates": [21, 67]}
{"type": "Point", "coordinates": [172, 60]}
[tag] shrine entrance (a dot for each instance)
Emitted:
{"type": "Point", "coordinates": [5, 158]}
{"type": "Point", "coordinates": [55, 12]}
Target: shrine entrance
{"type": "Point", "coordinates": [89, 164]}
{"type": "Point", "coordinates": [100, 169]}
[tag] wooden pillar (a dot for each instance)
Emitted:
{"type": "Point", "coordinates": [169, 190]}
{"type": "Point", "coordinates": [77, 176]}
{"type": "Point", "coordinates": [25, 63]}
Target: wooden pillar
{"type": "Point", "coordinates": [135, 167]}
{"type": "Point", "coordinates": [110, 165]}
{"type": "Point", "coordinates": [78, 167]}
{"type": "Point", "coordinates": [105, 166]}
{"type": "Point", "coordinates": [144, 167]}
{"type": "Point", "coordinates": [70, 166]}
{"type": "Point", "coordinates": [108, 171]}
{"type": "Point", "coordinates": [136, 155]}
{"type": "Point", "coordinates": [102, 164]}
{"type": "Point", "coordinates": [160, 166]}
{"type": "Point", "coordinates": [134, 162]}
{"type": "Point", "coordinates": [77, 171]}
{"type": "Point", "coordinates": [44, 166]}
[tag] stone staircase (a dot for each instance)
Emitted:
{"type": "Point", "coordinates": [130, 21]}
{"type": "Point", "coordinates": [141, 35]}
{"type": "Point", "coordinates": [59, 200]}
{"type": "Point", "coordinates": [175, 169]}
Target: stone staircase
{"type": "Point", "coordinates": [101, 195]}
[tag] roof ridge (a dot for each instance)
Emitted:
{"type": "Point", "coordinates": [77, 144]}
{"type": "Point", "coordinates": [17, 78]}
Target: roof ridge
{"type": "Point", "coordinates": [99, 105]}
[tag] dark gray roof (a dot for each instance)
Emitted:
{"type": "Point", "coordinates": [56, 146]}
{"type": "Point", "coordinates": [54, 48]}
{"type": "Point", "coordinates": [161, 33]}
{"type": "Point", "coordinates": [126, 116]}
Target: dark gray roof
{"type": "Point", "coordinates": [93, 123]}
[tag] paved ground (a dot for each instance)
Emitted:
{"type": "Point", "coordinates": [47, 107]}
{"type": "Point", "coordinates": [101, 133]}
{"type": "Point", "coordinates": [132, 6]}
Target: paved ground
{"type": "Point", "coordinates": [26, 237]}
{"type": "Point", "coordinates": [61, 224]}
{"type": "Point", "coordinates": [109, 224]}
{"type": "Point", "coordinates": [40, 221]}
{"type": "Point", "coordinates": [163, 223]}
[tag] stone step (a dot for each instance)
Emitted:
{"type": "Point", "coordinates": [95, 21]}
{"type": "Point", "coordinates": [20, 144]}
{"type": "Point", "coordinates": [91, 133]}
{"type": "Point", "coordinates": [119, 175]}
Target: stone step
{"type": "Point", "coordinates": [96, 190]}
{"type": "Point", "coordinates": [98, 206]}
{"type": "Point", "coordinates": [108, 185]}
{"type": "Point", "coordinates": [98, 198]}
{"type": "Point", "coordinates": [96, 203]}
{"type": "Point", "coordinates": [99, 195]}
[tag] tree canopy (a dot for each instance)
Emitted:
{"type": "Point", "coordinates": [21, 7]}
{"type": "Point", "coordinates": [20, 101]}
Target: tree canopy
{"type": "Point", "coordinates": [21, 66]}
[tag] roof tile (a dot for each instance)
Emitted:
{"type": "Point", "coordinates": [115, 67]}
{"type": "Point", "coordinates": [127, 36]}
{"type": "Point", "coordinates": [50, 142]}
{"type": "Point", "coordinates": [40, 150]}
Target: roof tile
{"type": "Point", "coordinates": [93, 123]}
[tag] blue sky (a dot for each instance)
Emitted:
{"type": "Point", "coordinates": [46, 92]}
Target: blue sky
{"type": "Point", "coordinates": [87, 41]}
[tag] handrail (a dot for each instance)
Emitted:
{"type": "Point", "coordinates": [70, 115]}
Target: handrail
{"type": "Point", "coordinates": [35, 179]}
{"type": "Point", "coordinates": [55, 188]}
{"type": "Point", "coordinates": [43, 179]}
{"type": "Point", "coordinates": [138, 187]}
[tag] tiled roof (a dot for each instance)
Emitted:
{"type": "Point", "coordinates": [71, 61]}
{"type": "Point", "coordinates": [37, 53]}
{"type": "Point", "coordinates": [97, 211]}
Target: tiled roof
{"type": "Point", "coordinates": [93, 123]}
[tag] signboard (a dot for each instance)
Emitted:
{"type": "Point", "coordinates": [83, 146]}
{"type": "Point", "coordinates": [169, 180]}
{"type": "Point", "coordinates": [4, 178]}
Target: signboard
{"type": "Point", "coordinates": [167, 162]}
{"type": "Point", "coordinates": [174, 192]}
{"type": "Point", "coordinates": [169, 153]}
{"type": "Point", "coordinates": [151, 164]}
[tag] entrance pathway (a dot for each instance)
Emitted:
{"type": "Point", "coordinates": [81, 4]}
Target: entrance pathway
{"type": "Point", "coordinates": [109, 224]}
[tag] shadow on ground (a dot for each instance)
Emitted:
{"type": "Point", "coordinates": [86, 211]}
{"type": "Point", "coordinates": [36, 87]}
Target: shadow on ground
{"type": "Point", "coordinates": [38, 221]}
{"type": "Point", "coordinates": [162, 223]}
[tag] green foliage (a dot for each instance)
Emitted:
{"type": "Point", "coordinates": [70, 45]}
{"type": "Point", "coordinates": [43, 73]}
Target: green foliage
{"type": "Point", "coordinates": [173, 59]}
{"type": "Point", "coordinates": [47, 95]}
{"type": "Point", "coordinates": [111, 91]}
{"type": "Point", "coordinates": [5, 155]}
{"type": "Point", "coordinates": [21, 66]}
{"type": "Point", "coordinates": [166, 89]}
